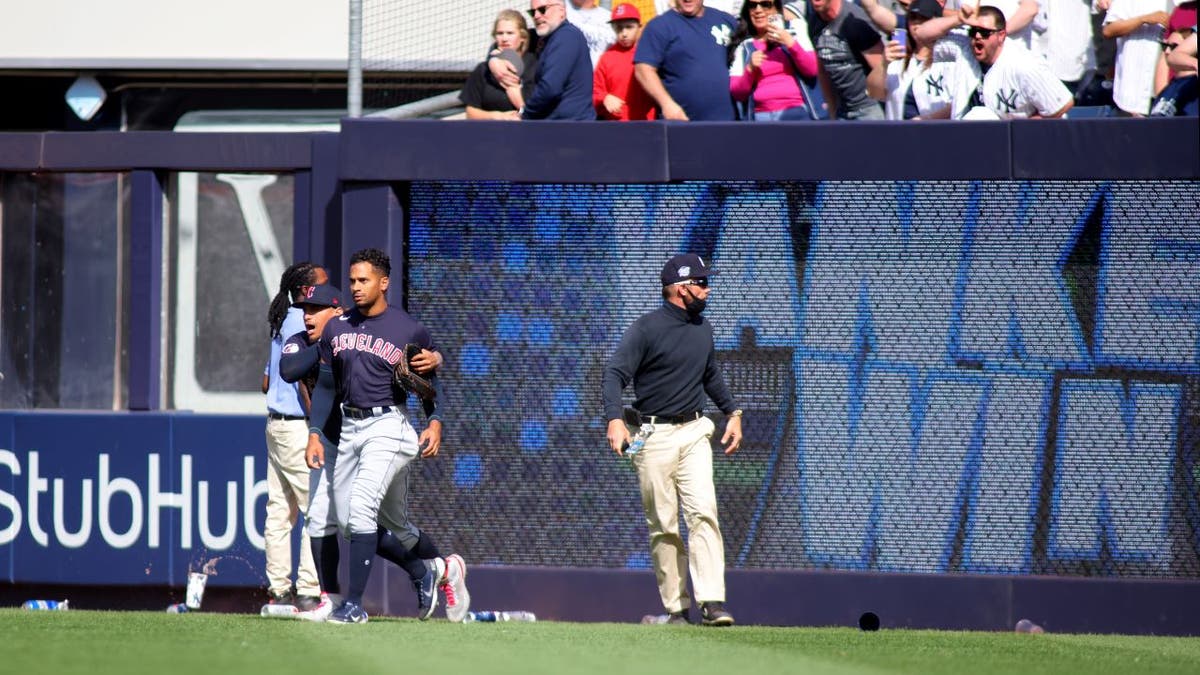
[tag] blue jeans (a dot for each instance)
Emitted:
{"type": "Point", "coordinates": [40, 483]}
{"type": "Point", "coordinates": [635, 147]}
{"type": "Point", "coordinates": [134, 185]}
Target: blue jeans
{"type": "Point", "coordinates": [797, 114]}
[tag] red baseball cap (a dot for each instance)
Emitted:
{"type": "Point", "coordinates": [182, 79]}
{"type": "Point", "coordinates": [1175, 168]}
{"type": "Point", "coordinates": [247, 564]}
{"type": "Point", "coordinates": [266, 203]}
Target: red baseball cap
{"type": "Point", "coordinates": [625, 11]}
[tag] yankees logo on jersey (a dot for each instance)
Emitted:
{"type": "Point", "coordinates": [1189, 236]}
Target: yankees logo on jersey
{"type": "Point", "coordinates": [1006, 101]}
{"type": "Point", "coordinates": [935, 85]}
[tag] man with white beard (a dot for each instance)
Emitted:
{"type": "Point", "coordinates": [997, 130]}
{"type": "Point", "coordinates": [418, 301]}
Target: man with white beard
{"type": "Point", "coordinates": [563, 88]}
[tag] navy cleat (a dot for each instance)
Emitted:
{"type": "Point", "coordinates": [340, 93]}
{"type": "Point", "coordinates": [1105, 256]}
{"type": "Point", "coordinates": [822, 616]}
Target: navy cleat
{"type": "Point", "coordinates": [349, 612]}
{"type": "Point", "coordinates": [427, 588]}
{"type": "Point", "coordinates": [714, 614]}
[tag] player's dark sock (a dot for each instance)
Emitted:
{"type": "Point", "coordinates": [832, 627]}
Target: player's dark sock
{"type": "Point", "coordinates": [326, 554]}
{"type": "Point", "coordinates": [362, 552]}
{"type": "Point", "coordinates": [425, 548]}
{"type": "Point", "coordinates": [392, 550]}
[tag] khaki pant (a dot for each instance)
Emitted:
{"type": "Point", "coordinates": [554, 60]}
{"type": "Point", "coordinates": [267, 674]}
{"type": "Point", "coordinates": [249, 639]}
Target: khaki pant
{"type": "Point", "coordinates": [287, 496]}
{"type": "Point", "coordinates": [675, 468]}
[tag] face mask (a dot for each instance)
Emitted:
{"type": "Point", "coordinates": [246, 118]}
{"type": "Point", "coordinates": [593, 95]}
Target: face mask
{"type": "Point", "coordinates": [694, 304]}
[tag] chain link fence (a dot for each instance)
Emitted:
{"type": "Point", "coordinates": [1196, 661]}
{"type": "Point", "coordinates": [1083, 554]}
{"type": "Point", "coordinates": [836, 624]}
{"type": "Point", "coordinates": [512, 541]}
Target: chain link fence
{"type": "Point", "coordinates": [938, 377]}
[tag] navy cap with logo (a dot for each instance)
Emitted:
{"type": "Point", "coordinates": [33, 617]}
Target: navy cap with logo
{"type": "Point", "coordinates": [683, 267]}
{"type": "Point", "coordinates": [321, 296]}
{"type": "Point", "coordinates": [930, 9]}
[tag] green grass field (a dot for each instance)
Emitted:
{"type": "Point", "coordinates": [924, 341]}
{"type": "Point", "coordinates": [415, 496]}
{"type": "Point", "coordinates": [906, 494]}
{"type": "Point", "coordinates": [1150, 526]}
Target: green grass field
{"type": "Point", "coordinates": [120, 643]}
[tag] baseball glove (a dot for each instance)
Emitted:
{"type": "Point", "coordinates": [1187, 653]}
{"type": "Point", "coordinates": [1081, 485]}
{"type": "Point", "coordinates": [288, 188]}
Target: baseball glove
{"type": "Point", "coordinates": [404, 378]}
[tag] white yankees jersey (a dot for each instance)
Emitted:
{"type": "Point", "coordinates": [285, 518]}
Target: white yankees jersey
{"type": "Point", "coordinates": [1020, 85]}
{"type": "Point", "coordinates": [1137, 54]}
{"type": "Point", "coordinates": [928, 89]}
{"type": "Point", "coordinates": [954, 63]}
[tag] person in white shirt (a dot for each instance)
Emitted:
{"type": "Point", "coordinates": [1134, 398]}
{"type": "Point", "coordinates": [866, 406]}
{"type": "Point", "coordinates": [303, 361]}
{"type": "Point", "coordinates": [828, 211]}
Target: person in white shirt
{"type": "Point", "coordinates": [1137, 26]}
{"type": "Point", "coordinates": [1016, 83]}
{"type": "Point", "coordinates": [1067, 41]}
{"type": "Point", "coordinates": [589, 17]}
{"type": "Point", "coordinates": [915, 89]}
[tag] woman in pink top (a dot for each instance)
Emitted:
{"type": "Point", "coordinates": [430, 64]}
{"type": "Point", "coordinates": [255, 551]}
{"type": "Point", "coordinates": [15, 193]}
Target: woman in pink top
{"type": "Point", "coordinates": [769, 63]}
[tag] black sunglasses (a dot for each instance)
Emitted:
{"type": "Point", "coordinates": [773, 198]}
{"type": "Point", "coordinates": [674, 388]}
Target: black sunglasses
{"type": "Point", "coordinates": [764, 4]}
{"type": "Point", "coordinates": [984, 33]}
{"type": "Point", "coordinates": [541, 10]}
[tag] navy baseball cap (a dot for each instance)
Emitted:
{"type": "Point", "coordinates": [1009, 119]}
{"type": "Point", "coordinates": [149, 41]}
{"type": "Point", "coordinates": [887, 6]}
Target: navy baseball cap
{"type": "Point", "coordinates": [321, 296]}
{"type": "Point", "coordinates": [683, 267]}
{"type": "Point", "coordinates": [930, 9]}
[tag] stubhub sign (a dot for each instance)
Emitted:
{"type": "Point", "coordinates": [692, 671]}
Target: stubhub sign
{"type": "Point", "coordinates": [138, 498]}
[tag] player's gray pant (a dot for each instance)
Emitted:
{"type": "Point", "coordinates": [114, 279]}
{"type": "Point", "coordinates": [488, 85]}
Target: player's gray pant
{"type": "Point", "coordinates": [370, 480]}
{"type": "Point", "coordinates": [321, 519]}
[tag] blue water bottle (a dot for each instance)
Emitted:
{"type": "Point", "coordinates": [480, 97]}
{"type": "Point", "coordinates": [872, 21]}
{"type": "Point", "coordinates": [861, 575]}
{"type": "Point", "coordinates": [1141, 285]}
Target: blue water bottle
{"type": "Point", "coordinates": [50, 605]}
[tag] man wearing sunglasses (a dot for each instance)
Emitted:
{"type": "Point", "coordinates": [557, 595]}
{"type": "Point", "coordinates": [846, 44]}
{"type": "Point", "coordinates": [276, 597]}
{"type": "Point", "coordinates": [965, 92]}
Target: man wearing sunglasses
{"type": "Point", "coordinates": [670, 358]}
{"type": "Point", "coordinates": [1016, 83]}
{"type": "Point", "coordinates": [562, 89]}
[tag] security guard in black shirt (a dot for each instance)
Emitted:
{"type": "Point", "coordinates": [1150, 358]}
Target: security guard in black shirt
{"type": "Point", "coordinates": [669, 356]}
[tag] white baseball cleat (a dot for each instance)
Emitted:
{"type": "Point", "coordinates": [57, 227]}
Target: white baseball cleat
{"type": "Point", "coordinates": [318, 613]}
{"type": "Point", "coordinates": [454, 588]}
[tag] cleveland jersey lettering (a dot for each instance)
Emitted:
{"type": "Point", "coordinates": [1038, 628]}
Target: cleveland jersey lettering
{"type": "Point", "coordinates": [363, 350]}
{"type": "Point", "coordinates": [368, 343]}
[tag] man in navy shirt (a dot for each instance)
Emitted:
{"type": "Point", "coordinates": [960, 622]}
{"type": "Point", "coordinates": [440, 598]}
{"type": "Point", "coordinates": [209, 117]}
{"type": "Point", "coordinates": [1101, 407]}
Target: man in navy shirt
{"type": "Point", "coordinates": [681, 62]}
{"type": "Point", "coordinates": [358, 352]}
{"type": "Point", "coordinates": [400, 541]}
{"type": "Point", "coordinates": [563, 89]}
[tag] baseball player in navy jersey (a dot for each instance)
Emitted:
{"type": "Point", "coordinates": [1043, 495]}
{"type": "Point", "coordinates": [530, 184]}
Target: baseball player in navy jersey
{"type": "Point", "coordinates": [400, 541]}
{"type": "Point", "coordinates": [358, 354]}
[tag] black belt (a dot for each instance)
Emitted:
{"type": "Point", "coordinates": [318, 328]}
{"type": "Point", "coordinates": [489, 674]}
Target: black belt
{"type": "Point", "coordinates": [287, 418]}
{"type": "Point", "coordinates": [363, 413]}
{"type": "Point", "coordinates": [673, 419]}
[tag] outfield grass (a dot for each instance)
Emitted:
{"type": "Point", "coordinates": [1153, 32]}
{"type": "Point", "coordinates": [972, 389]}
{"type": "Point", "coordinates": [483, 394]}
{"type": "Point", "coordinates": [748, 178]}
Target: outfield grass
{"type": "Point", "coordinates": [120, 643]}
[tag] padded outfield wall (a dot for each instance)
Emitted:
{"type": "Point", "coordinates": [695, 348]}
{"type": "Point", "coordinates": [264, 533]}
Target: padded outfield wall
{"type": "Point", "coordinates": [974, 383]}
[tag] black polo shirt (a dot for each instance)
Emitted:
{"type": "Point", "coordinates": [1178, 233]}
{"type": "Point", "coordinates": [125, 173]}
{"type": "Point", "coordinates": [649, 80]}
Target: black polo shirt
{"type": "Point", "coordinates": [670, 358]}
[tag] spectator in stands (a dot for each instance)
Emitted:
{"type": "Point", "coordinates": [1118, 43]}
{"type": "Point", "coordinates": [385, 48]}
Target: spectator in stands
{"type": "Point", "coordinates": [1016, 83]}
{"type": "Point", "coordinates": [1019, 15]}
{"type": "Point", "coordinates": [681, 62]}
{"type": "Point", "coordinates": [1066, 43]}
{"type": "Point", "coordinates": [483, 95]}
{"type": "Point", "coordinates": [730, 7]}
{"type": "Point", "coordinates": [592, 20]}
{"type": "Point", "coordinates": [1179, 97]}
{"type": "Point", "coordinates": [850, 58]}
{"type": "Point", "coordinates": [769, 64]}
{"type": "Point", "coordinates": [1183, 57]}
{"type": "Point", "coordinates": [1137, 26]}
{"type": "Point", "coordinates": [616, 94]}
{"type": "Point", "coordinates": [1182, 17]}
{"type": "Point", "coordinates": [563, 86]}
{"type": "Point", "coordinates": [915, 89]}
